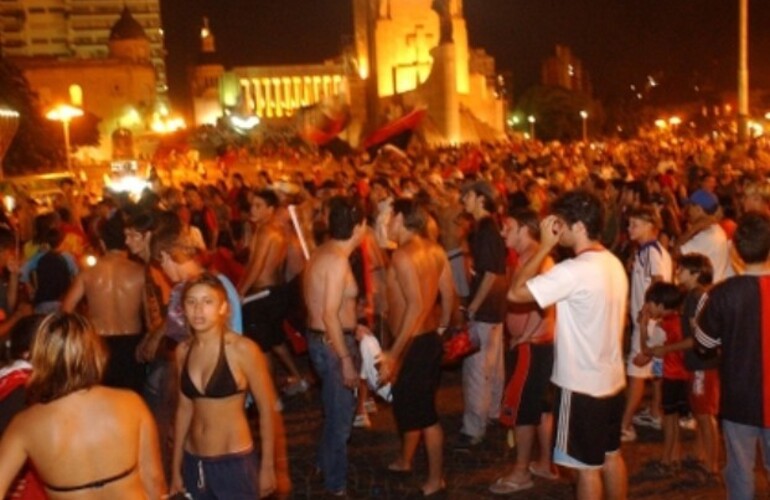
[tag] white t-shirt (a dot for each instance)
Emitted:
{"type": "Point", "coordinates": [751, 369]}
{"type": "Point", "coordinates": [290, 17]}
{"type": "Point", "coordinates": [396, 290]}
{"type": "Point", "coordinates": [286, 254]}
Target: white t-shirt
{"type": "Point", "coordinates": [651, 260]}
{"type": "Point", "coordinates": [712, 242]}
{"type": "Point", "coordinates": [591, 295]}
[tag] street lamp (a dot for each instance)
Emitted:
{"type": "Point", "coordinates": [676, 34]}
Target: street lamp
{"type": "Point", "coordinates": [674, 121]}
{"type": "Point", "coordinates": [64, 113]}
{"type": "Point", "coordinates": [531, 120]}
{"type": "Point", "coordinates": [584, 116]}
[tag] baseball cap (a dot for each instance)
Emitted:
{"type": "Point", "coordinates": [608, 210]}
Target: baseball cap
{"type": "Point", "coordinates": [707, 201]}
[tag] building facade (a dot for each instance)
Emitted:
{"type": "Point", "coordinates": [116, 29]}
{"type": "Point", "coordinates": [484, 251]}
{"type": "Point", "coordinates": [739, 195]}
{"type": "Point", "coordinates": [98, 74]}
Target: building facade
{"type": "Point", "coordinates": [77, 28]}
{"type": "Point", "coordinates": [120, 88]}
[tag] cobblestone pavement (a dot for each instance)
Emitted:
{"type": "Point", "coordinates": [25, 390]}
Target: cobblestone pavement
{"type": "Point", "coordinates": [468, 474]}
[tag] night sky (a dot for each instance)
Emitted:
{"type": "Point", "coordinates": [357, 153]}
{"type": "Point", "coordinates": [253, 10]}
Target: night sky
{"type": "Point", "coordinates": [620, 41]}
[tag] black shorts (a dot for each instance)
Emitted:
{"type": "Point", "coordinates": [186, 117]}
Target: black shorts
{"type": "Point", "coordinates": [123, 370]}
{"type": "Point", "coordinates": [263, 319]}
{"type": "Point", "coordinates": [675, 396]}
{"type": "Point", "coordinates": [529, 392]}
{"type": "Point", "coordinates": [587, 428]}
{"type": "Point", "coordinates": [414, 392]}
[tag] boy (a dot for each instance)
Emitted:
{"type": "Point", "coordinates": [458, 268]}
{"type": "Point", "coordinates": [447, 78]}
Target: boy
{"type": "Point", "coordinates": [652, 264]}
{"type": "Point", "coordinates": [662, 302]}
{"type": "Point", "coordinates": [695, 274]}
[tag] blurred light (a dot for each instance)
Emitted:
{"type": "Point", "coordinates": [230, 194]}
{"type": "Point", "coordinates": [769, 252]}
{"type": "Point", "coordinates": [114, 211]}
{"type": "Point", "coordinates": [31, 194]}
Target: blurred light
{"type": "Point", "coordinates": [661, 123]}
{"type": "Point", "coordinates": [756, 129]}
{"type": "Point", "coordinates": [9, 202]}
{"type": "Point", "coordinates": [674, 120]}
{"type": "Point", "coordinates": [90, 260]}
{"type": "Point", "coordinates": [639, 96]}
{"type": "Point", "coordinates": [651, 81]}
{"type": "Point", "coordinates": [128, 184]}
{"type": "Point", "coordinates": [583, 114]}
{"type": "Point", "coordinates": [531, 119]}
{"type": "Point", "coordinates": [64, 113]}
{"type": "Point", "coordinates": [8, 113]}
{"type": "Point", "coordinates": [767, 115]}
{"type": "Point", "coordinates": [244, 123]}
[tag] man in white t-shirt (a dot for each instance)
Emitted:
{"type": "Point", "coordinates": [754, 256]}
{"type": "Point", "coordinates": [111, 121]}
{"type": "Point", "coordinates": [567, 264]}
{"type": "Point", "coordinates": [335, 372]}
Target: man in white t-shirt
{"type": "Point", "coordinates": [704, 235]}
{"type": "Point", "coordinates": [591, 293]}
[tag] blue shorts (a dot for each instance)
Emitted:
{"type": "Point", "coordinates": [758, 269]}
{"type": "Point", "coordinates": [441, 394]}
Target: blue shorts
{"type": "Point", "coordinates": [225, 477]}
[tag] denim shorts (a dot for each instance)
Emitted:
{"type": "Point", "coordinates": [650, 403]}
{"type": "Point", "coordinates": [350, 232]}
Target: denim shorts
{"type": "Point", "coordinates": [226, 477]}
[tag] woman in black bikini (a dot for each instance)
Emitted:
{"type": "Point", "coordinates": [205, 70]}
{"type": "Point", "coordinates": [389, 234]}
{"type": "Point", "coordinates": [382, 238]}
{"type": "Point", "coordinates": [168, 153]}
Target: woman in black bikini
{"type": "Point", "coordinates": [214, 454]}
{"type": "Point", "coordinates": [84, 440]}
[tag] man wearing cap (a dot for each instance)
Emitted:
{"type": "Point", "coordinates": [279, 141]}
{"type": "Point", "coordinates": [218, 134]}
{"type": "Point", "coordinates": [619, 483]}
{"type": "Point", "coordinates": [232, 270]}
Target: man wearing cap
{"type": "Point", "coordinates": [483, 372]}
{"type": "Point", "coordinates": [704, 235]}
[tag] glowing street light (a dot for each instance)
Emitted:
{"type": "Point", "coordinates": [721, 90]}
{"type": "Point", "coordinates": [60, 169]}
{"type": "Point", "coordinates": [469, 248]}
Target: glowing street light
{"type": "Point", "coordinates": [531, 119]}
{"type": "Point", "coordinates": [584, 116]}
{"type": "Point", "coordinates": [64, 113]}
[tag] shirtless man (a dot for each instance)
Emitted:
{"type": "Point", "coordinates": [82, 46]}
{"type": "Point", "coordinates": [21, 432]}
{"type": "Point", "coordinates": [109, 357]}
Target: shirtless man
{"type": "Point", "coordinates": [330, 293]}
{"type": "Point", "coordinates": [263, 318]}
{"type": "Point", "coordinates": [419, 272]}
{"type": "Point", "coordinates": [114, 288]}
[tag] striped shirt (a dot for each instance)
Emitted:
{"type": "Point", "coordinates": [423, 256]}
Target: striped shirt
{"type": "Point", "coordinates": [736, 318]}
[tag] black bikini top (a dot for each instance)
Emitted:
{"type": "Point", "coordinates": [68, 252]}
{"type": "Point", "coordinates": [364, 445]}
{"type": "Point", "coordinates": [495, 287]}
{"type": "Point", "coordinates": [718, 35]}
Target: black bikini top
{"type": "Point", "coordinates": [221, 384]}
{"type": "Point", "coordinates": [93, 484]}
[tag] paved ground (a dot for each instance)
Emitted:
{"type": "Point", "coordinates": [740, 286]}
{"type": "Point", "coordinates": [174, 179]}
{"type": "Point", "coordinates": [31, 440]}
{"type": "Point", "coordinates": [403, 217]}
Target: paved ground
{"type": "Point", "coordinates": [468, 475]}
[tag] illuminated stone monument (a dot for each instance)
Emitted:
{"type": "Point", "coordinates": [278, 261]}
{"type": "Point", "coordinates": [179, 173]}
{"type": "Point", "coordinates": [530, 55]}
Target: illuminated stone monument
{"type": "Point", "coordinates": [415, 53]}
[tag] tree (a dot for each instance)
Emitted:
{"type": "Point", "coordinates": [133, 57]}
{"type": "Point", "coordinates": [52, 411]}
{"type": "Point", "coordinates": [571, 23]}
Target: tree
{"type": "Point", "coordinates": [557, 112]}
{"type": "Point", "coordinates": [32, 149]}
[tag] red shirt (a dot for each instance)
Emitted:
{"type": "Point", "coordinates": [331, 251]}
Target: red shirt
{"type": "Point", "coordinates": [673, 362]}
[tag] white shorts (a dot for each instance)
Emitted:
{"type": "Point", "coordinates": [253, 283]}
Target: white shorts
{"type": "Point", "coordinates": [641, 371]}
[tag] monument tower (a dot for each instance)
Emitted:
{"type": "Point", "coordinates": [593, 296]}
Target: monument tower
{"type": "Point", "coordinates": [415, 53]}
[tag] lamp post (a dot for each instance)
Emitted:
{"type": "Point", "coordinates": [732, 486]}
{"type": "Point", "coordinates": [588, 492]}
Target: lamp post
{"type": "Point", "coordinates": [64, 113]}
{"type": "Point", "coordinates": [743, 71]}
{"type": "Point", "coordinates": [531, 119]}
{"type": "Point", "coordinates": [584, 116]}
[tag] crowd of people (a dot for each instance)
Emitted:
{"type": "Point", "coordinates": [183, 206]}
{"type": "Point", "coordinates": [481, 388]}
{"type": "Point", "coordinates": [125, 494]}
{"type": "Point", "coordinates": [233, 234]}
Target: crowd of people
{"type": "Point", "coordinates": [144, 334]}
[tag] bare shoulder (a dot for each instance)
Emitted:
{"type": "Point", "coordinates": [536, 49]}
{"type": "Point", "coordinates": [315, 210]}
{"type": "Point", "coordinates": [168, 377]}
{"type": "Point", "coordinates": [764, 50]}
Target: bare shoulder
{"type": "Point", "coordinates": [241, 345]}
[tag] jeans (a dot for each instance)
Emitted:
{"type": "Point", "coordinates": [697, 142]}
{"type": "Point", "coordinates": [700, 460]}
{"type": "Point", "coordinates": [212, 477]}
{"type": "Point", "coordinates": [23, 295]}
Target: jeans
{"type": "Point", "coordinates": [740, 448]}
{"type": "Point", "coordinates": [339, 404]}
{"type": "Point", "coordinates": [483, 378]}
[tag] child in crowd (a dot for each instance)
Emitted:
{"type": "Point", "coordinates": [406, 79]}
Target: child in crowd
{"type": "Point", "coordinates": [652, 263]}
{"type": "Point", "coordinates": [370, 353]}
{"type": "Point", "coordinates": [694, 274]}
{"type": "Point", "coordinates": [662, 303]}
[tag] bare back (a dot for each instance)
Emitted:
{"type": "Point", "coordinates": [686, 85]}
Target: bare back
{"type": "Point", "coordinates": [91, 435]}
{"type": "Point", "coordinates": [420, 271]}
{"type": "Point", "coordinates": [114, 288]}
{"type": "Point", "coordinates": [269, 251]}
